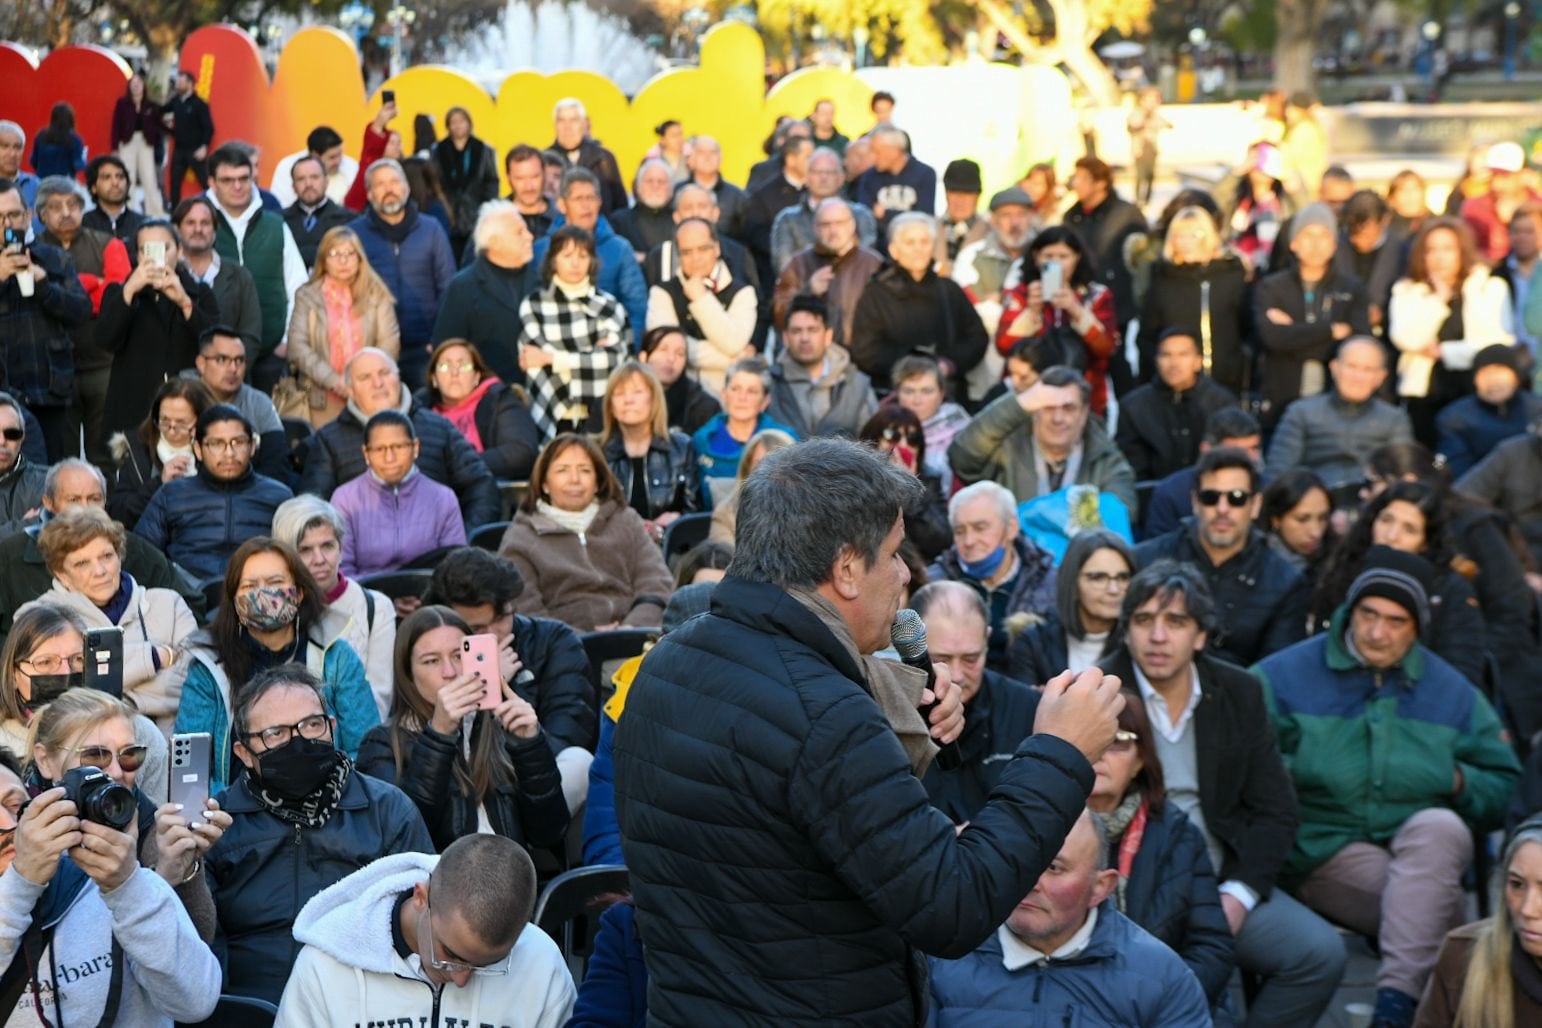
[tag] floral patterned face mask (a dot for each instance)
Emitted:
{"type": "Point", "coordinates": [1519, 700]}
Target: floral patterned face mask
{"type": "Point", "coordinates": [268, 608]}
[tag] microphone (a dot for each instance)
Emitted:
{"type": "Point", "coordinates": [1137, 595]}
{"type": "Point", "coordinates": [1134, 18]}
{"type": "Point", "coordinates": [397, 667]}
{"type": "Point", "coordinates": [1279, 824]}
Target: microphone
{"type": "Point", "coordinates": [908, 634]}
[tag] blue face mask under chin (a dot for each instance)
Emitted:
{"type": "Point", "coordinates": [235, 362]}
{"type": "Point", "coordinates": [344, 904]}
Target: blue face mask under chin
{"type": "Point", "coordinates": [986, 566]}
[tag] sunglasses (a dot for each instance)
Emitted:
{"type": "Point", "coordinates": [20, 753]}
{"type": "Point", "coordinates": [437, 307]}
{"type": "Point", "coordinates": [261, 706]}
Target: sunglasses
{"type": "Point", "coordinates": [1234, 497]}
{"type": "Point", "coordinates": [130, 758]}
{"type": "Point", "coordinates": [13, 435]}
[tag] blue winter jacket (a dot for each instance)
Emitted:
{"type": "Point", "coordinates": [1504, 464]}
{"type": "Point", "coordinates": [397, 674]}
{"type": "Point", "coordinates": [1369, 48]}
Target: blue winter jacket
{"type": "Point", "coordinates": [620, 274]}
{"type": "Point", "coordinates": [414, 260]}
{"type": "Point", "coordinates": [614, 993]}
{"type": "Point", "coordinates": [1124, 976]}
{"type": "Point", "coordinates": [201, 520]}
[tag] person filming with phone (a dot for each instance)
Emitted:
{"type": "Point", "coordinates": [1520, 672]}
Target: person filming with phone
{"type": "Point", "coordinates": [467, 749]}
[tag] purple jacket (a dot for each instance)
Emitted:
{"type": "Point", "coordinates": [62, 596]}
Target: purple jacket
{"type": "Point", "coordinates": [390, 525]}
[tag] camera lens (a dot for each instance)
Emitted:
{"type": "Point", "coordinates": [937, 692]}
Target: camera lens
{"type": "Point", "coordinates": [113, 806]}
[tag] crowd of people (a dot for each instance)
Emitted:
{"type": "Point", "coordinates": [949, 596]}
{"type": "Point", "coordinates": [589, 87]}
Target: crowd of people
{"type": "Point", "coordinates": [1226, 525]}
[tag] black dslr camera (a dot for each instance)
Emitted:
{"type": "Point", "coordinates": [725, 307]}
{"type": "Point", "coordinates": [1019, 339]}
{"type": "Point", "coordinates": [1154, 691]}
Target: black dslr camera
{"type": "Point", "coordinates": [98, 798]}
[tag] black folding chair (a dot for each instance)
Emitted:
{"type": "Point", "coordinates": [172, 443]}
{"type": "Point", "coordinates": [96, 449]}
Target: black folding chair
{"type": "Point", "coordinates": [399, 584]}
{"type": "Point", "coordinates": [237, 1012]}
{"type": "Point", "coordinates": [684, 532]}
{"type": "Point", "coordinates": [1143, 493]}
{"type": "Point", "coordinates": [615, 644]}
{"type": "Point", "coordinates": [512, 494]}
{"type": "Point", "coordinates": [567, 910]}
{"type": "Point", "coordinates": [298, 432]}
{"type": "Point", "coordinates": [489, 536]}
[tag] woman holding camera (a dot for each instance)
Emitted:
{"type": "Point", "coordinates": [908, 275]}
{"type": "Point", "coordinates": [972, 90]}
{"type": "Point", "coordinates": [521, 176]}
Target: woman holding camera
{"type": "Point", "coordinates": [97, 883]}
{"type": "Point", "coordinates": [467, 768]}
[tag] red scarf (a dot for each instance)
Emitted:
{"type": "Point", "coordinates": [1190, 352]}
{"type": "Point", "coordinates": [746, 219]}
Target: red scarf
{"type": "Point", "coordinates": [464, 414]}
{"type": "Point", "coordinates": [1130, 844]}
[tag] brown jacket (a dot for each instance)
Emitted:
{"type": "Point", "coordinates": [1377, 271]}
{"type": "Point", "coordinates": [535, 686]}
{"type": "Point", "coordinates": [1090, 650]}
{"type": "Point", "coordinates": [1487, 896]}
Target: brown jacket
{"type": "Point", "coordinates": [310, 348]}
{"type": "Point", "coordinates": [616, 572]}
{"type": "Point", "coordinates": [1443, 993]}
{"type": "Point", "coordinates": [853, 269]}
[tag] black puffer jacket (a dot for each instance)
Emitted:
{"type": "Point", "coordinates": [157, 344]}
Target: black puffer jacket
{"type": "Point", "coordinates": [200, 521]}
{"type": "Point", "coordinates": [786, 864]}
{"type": "Point", "coordinates": [1039, 652]}
{"type": "Point", "coordinates": [996, 722]}
{"type": "Point", "coordinates": [1159, 429]}
{"type": "Point", "coordinates": [1177, 297]}
{"type": "Point", "coordinates": [1032, 589]}
{"type": "Point", "coordinates": [510, 439]}
{"type": "Point", "coordinates": [532, 811]}
{"type": "Point", "coordinates": [561, 693]}
{"type": "Point", "coordinates": [1338, 299]}
{"type": "Point", "coordinates": [898, 316]}
{"type": "Point", "coordinates": [674, 482]}
{"type": "Point", "coordinates": [335, 455]}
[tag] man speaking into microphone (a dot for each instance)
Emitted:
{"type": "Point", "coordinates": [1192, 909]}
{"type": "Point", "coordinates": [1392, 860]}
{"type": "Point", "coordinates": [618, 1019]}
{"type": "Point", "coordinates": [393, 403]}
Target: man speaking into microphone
{"type": "Point", "coordinates": [786, 863]}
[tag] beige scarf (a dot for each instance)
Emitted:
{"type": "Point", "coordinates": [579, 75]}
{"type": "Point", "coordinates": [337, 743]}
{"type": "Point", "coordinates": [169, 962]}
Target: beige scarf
{"type": "Point", "coordinates": [896, 687]}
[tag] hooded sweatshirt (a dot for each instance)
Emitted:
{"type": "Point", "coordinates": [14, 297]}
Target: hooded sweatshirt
{"type": "Point", "coordinates": [351, 974]}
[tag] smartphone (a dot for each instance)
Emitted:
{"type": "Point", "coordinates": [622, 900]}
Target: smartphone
{"type": "Point", "coordinates": [1051, 280]}
{"type": "Point", "coordinates": [155, 252]}
{"type": "Point", "coordinates": [387, 96]}
{"type": "Point", "coordinates": [191, 755]}
{"type": "Point", "coordinates": [479, 654]}
{"type": "Point", "coordinates": [104, 660]}
{"type": "Point", "coordinates": [15, 237]}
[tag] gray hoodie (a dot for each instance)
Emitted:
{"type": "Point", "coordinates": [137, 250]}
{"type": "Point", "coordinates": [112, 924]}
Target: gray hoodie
{"type": "Point", "coordinates": [838, 404]}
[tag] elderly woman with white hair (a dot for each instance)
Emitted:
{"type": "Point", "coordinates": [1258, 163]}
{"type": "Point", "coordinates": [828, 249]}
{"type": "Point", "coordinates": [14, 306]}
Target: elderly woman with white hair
{"type": "Point", "coordinates": [481, 304]}
{"type": "Point", "coordinates": [908, 308]}
{"type": "Point", "coordinates": [992, 556]}
{"type": "Point", "coordinates": [315, 529]}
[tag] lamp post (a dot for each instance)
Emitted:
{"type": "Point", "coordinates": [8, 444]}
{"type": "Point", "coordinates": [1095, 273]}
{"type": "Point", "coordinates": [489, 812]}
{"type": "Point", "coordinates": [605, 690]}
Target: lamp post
{"type": "Point", "coordinates": [1512, 13]}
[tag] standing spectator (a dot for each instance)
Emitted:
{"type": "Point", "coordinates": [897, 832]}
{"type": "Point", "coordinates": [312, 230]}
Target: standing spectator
{"type": "Point", "coordinates": [837, 266]}
{"type": "Point", "coordinates": [492, 415]}
{"type": "Point", "coordinates": [981, 266]}
{"type": "Point", "coordinates": [338, 170]}
{"type": "Point", "coordinates": [574, 142]}
{"type": "Point", "coordinates": [136, 136]}
{"type": "Point", "coordinates": [692, 201]}
{"type": "Point", "coordinates": [1079, 317]}
{"type": "Point", "coordinates": [671, 149]}
{"type": "Point", "coordinates": [815, 389]}
{"type": "Point", "coordinates": [648, 222]}
{"type": "Point", "coordinates": [41, 300]}
{"type": "Point", "coordinates": [572, 335]}
{"type": "Point", "coordinates": [1046, 193]}
{"type": "Point", "coordinates": [13, 144]}
{"type": "Point", "coordinates": [260, 242]}
{"type": "Point", "coordinates": [343, 308]}
{"type": "Point", "coordinates": [716, 310]}
{"type": "Point", "coordinates": [380, 141]}
{"type": "Point", "coordinates": [1198, 283]}
{"type": "Point", "coordinates": [722, 441]}
{"type": "Point", "coordinates": [897, 183]}
{"type": "Point", "coordinates": [654, 465]}
{"type": "Point", "coordinates": [235, 291]}
{"type": "Point", "coordinates": [1105, 219]}
{"type": "Point", "coordinates": [1517, 267]}
{"type": "Point", "coordinates": [411, 254]}
{"type": "Point", "coordinates": [1089, 587]}
{"type": "Point", "coordinates": [856, 161]}
{"type": "Point", "coordinates": [201, 519]}
{"type": "Point", "coordinates": [468, 170]}
{"type": "Point", "coordinates": [1446, 309]}
{"type": "Point", "coordinates": [908, 308]}
{"type": "Point", "coordinates": [617, 273]}
{"type": "Point", "coordinates": [794, 227]}
{"type": "Point", "coordinates": [822, 121]}
{"type": "Point", "coordinates": [666, 350]}
{"type": "Point", "coordinates": [425, 189]}
{"type": "Point", "coordinates": [1471, 428]}
{"type": "Point", "coordinates": [313, 213]}
{"type": "Point", "coordinates": [960, 223]}
{"type": "Point", "coordinates": [527, 189]}
{"type": "Point", "coordinates": [221, 365]}
{"type": "Point", "coordinates": [1489, 214]}
{"type": "Point", "coordinates": [1145, 125]}
{"type": "Point", "coordinates": [920, 388]}
{"type": "Point", "coordinates": [57, 149]}
{"type": "Point", "coordinates": [1387, 816]}
{"type": "Point", "coordinates": [1304, 146]}
{"type": "Point", "coordinates": [21, 481]}
{"type": "Point", "coordinates": [151, 324]}
{"type": "Point", "coordinates": [316, 531]}
{"type": "Point", "coordinates": [1371, 250]}
{"type": "Point", "coordinates": [704, 161]}
{"type": "Point", "coordinates": [1255, 204]}
{"type": "Point", "coordinates": [481, 304]}
{"type": "Point", "coordinates": [787, 188]}
{"type": "Point", "coordinates": [1408, 199]}
{"type": "Point", "coordinates": [107, 181]}
{"type": "Point", "coordinates": [1161, 423]}
{"type": "Point", "coordinates": [160, 450]}
{"type": "Point", "coordinates": [192, 132]}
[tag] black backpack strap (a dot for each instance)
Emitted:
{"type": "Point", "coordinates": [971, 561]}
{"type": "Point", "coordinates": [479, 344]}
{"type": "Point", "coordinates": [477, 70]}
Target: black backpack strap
{"type": "Point", "coordinates": [18, 976]}
{"type": "Point", "coordinates": [114, 989]}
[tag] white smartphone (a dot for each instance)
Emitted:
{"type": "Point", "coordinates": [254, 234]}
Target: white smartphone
{"type": "Point", "coordinates": [1051, 279]}
{"type": "Point", "coordinates": [154, 252]}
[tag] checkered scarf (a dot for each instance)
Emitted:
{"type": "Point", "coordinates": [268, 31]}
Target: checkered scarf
{"type": "Point", "coordinates": [589, 335]}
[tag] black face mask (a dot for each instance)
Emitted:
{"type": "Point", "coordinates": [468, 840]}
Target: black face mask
{"type": "Point", "coordinates": [46, 688]}
{"type": "Point", "coordinates": [298, 769]}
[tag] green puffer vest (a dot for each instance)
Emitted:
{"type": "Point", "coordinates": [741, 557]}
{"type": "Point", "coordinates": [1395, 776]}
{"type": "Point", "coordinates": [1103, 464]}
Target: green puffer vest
{"type": "Point", "coordinates": [262, 254]}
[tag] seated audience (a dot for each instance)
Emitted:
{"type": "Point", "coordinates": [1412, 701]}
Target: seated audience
{"type": "Point", "coordinates": [1387, 815]}
{"type": "Point", "coordinates": [1203, 746]}
{"type": "Point", "coordinates": [616, 273]}
{"type": "Point", "coordinates": [200, 520]}
{"type": "Point", "coordinates": [720, 443]}
{"type": "Point", "coordinates": [83, 549]}
{"type": "Point", "coordinates": [693, 201]}
{"type": "Point", "coordinates": [481, 303]}
{"type": "Point", "coordinates": [838, 266]}
{"type": "Point", "coordinates": [703, 563]}
{"type": "Point", "coordinates": [1334, 431]}
{"type": "Point", "coordinates": [1067, 948]}
{"type": "Point", "coordinates": [361, 936]}
{"type": "Point", "coordinates": [221, 365]}
{"type": "Point", "coordinates": [1172, 500]}
{"type": "Point", "coordinates": [991, 555]}
{"type": "Point", "coordinates": [921, 388]}
{"type": "Point", "coordinates": [725, 515]}
{"type": "Point", "coordinates": [160, 450]}
{"type": "Point", "coordinates": [897, 432]}
{"type": "Point", "coordinates": [469, 767]}
{"type": "Point", "coordinates": [316, 531]}
{"type": "Point", "coordinates": [344, 307]}
{"type": "Point", "coordinates": [1296, 519]}
{"type": "Point", "coordinates": [395, 514]}
{"type": "Point", "coordinates": [690, 406]}
{"type": "Point", "coordinates": [1261, 599]}
{"type": "Point", "coordinates": [335, 454]}
{"type": "Point", "coordinates": [1041, 440]}
{"type": "Point", "coordinates": [1161, 423]}
{"type": "Point", "coordinates": [815, 389]}
{"type": "Point", "coordinates": [1469, 429]}
{"type": "Point", "coordinates": [654, 464]}
{"type": "Point", "coordinates": [572, 335]}
{"type": "Point", "coordinates": [303, 819]}
{"type": "Point", "coordinates": [271, 613]}
{"type": "Point", "coordinates": [76, 895]}
{"type": "Point", "coordinates": [21, 481]}
{"type": "Point", "coordinates": [493, 415]}
{"type": "Point", "coordinates": [647, 223]}
{"type": "Point", "coordinates": [482, 587]}
{"type": "Point", "coordinates": [715, 310]}
{"type": "Point", "coordinates": [998, 712]}
{"type": "Point", "coordinates": [585, 557]}
{"type": "Point", "coordinates": [1079, 317]}
{"type": "Point", "coordinates": [1074, 635]}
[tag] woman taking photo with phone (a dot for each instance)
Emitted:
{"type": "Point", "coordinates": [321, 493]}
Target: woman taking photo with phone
{"type": "Point", "coordinates": [471, 762]}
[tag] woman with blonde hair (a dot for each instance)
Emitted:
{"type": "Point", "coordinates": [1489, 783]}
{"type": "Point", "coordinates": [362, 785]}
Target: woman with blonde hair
{"type": "Point", "coordinates": [725, 516]}
{"type": "Point", "coordinates": [1201, 286]}
{"type": "Point", "coordinates": [342, 309]}
{"type": "Point", "coordinates": [655, 465]}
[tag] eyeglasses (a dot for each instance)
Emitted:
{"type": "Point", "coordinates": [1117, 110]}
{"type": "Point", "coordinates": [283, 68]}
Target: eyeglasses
{"type": "Point", "coordinates": [426, 931]}
{"type": "Point", "coordinates": [235, 445]}
{"type": "Point", "coordinates": [226, 360]}
{"type": "Point", "coordinates": [342, 255]}
{"type": "Point", "coordinates": [15, 217]}
{"type": "Point", "coordinates": [1102, 579]}
{"type": "Point", "coordinates": [1233, 497]}
{"type": "Point", "coordinates": [235, 180]}
{"type": "Point", "coordinates": [175, 427]}
{"type": "Point", "coordinates": [317, 726]}
{"type": "Point", "coordinates": [13, 435]}
{"type": "Point", "coordinates": [52, 664]}
{"type": "Point", "coordinates": [463, 368]}
{"type": "Point", "coordinates": [894, 435]}
{"type": "Point", "coordinates": [1123, 742]}
{"type": "Point", "coordinates": [130, 758]}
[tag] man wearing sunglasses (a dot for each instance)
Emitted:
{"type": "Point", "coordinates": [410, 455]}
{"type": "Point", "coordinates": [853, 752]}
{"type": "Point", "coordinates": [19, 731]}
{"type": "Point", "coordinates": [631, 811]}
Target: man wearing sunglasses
{"type": "Point", "coordinates": [21, 481]}
{"type": "Point", "coordinates": [1222, 768]}
{"type": "Point", "coordinates": [1260, 599]}
{"type": "Point", "coordinates": [460, 949]}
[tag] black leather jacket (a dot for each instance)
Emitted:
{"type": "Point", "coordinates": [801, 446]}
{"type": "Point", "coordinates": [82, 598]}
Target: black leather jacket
{"type": "Point", "coordinates": [672, 474]}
